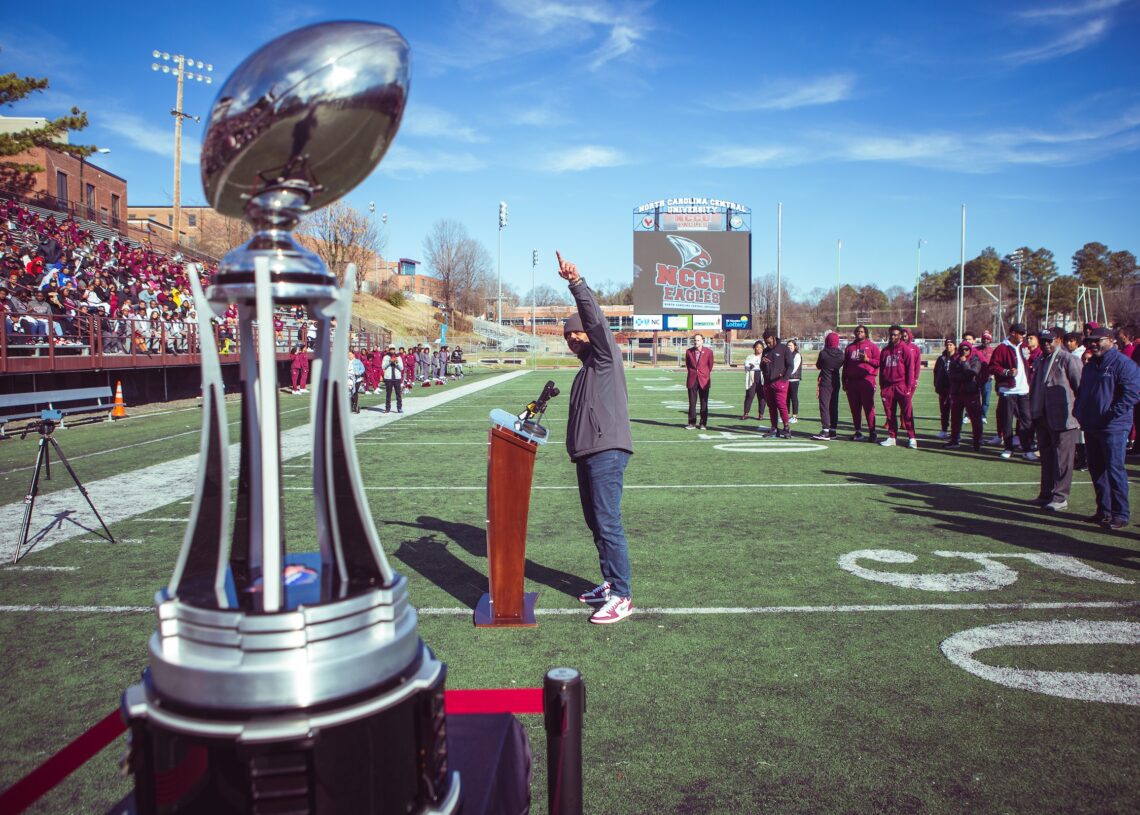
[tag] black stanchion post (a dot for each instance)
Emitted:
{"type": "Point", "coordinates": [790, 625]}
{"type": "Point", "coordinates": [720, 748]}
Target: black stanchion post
{"type": "Point", "coordinates": [564, 706]}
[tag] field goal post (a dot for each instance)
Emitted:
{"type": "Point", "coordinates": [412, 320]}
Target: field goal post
{"type": "Point", "coordinates": [997, 326]}
{"type": "Point", "coordinates": [1090, 305]}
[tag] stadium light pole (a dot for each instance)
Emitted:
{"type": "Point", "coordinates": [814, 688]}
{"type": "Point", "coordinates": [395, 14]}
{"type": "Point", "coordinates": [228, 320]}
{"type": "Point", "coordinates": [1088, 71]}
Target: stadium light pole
{"type": "Point", "coordinates": [962, 279]}
{"type": "Point", "coordinates": [838, 268]}
{"type": "Point", "coordinates": [502, 224]}
{"type": "Point", "coordinates": [181, 71]}
{"type": "Point", "coordinates": [533, 333]}
{"type": "Point", "coordinates": [779, 258]}
{"type": "Point", "coordinates": [918, 276]}
{"type": "Point", "coordinates": [1018, 260]}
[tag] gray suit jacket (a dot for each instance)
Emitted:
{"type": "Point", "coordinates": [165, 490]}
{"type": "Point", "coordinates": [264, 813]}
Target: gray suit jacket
{"type": "Point", "coordinates": [1052, 396]}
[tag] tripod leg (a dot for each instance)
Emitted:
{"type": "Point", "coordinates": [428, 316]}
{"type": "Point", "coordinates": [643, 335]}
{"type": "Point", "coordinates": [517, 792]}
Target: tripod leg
{"type": "Point", "coordinates": [79, 484]}
{"type": "Point", "coordinates": [30, 501]}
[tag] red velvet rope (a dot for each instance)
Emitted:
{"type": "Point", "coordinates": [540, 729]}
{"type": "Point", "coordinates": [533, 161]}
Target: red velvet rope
{"type": "Point", "coordinates": [39, 781]}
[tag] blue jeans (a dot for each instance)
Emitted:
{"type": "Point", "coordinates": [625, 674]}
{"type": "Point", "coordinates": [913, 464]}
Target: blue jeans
{"type": "Point", "coordinates": [987, 389]}
{"type": "Point", "coordinates": [1105, 453]}
{"type": "Point", "coordinates": [600, 479]}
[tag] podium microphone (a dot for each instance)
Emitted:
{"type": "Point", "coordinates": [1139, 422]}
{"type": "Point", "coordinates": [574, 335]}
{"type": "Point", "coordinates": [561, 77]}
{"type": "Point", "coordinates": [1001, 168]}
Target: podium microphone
{"type": "Point", "coordinates": [534, 410]}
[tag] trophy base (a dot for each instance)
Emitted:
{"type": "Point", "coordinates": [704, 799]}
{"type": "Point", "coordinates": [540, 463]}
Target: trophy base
{"type": "Point", "coordinates": [485, 613]}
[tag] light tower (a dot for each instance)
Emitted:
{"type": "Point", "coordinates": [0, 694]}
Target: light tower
{"type": "Point", "coordinates": [181, 68]}
{"type": "Point", "coordinates": [502, 225]}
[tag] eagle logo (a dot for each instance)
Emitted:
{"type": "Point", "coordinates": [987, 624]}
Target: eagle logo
{"type": "Point", "coordinates": [693, 255]}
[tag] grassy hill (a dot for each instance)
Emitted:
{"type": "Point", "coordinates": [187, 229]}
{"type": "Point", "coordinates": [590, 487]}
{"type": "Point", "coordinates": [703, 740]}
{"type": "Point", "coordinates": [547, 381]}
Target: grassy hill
{"type": "Point", "coordinates": [412, 322]}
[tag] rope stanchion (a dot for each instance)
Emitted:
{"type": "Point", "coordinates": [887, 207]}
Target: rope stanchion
{"type": "Point", "coordinates": [33, 786]}
{"type": "Point", "coordinates": [39, 781]}
{"type": "Point", "coordinates": [520, 701]}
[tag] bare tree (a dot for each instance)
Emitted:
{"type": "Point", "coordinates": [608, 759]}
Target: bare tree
{"type": "Point", "coordinates": [545, 296]}
{"type": "Point", "coordinates": [219, 233]}
{"type": "Point", "coordinates": [460, 262]}
{"type": "Point", "coordinates": [341, 235]}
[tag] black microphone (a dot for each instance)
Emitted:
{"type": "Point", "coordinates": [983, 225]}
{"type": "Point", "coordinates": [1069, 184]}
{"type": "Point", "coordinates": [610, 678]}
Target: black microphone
{"type": "Point", "coordinates": [538, 406]}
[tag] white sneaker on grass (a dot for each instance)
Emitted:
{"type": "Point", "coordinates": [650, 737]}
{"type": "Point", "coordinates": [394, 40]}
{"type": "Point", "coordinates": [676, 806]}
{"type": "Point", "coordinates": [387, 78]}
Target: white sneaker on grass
{"type": "Point", "coordinates": [912, 444]}
{"type": "Point", "coordinates": [1007, 454]}
{"type": "Point", "coordinates": [598, 594]}
{"type": "Point", "coordinates": [615, 610]}
{"type": "Point", "coordinates": [889, 441]}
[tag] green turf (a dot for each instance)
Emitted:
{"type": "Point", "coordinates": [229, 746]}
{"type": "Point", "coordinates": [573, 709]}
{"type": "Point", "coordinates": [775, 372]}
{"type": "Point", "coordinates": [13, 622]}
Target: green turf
{"type": "Point", "coordinates": [821, 711]}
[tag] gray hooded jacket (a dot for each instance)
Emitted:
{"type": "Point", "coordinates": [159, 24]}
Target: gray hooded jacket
{"type": "Point", "coordinates": [599, 408]}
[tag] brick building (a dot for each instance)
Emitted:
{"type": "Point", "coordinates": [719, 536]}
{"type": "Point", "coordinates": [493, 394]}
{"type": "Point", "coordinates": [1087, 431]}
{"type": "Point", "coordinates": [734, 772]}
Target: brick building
{"type": "Point", "coordinates": [75, 185]}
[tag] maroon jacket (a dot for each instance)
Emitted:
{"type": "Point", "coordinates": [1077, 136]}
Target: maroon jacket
{"type": "Point", "coordinates": [699, 367]}
{"type": "Point", "coordinates": [1004, 358]}
{"type": "Point", "coordinates": [896, 367]}
{"type": "Point", "coordinates": [853, 367]}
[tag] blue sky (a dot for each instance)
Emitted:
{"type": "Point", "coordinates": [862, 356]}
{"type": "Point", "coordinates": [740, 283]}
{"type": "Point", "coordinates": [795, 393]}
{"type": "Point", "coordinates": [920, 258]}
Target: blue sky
{"type": "Point", "coordinates": [872, 123]}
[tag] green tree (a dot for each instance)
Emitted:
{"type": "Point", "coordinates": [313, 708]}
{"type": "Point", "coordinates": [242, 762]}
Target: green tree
{"type": "Point", "coordinates": [1089, 263]}
{"type": "Point", "coordinates": [18, 174]}
{"type": "Point", "coordinates": [984, 269]}
{"type": "Point", "coordinates": [1038, 271]}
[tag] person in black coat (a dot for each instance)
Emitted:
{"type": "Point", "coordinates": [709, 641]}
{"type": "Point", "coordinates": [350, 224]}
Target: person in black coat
{"type": "Point", "coordinates": [965, 394]}
{"type": "Point", "coordinates": [942, 385]}
{"type": "Point", "coordinates": [829, 363]}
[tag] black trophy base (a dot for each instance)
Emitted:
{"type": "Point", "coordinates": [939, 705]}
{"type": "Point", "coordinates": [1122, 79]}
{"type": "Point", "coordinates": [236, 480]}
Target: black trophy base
{"type": "Point", "coordinates": [391, 761]}
{"type": "Point", "coordinates": [485, 613]}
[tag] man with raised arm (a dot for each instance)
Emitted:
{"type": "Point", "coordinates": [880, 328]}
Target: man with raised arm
{"type": "Point", "coordinates": [599, 442]}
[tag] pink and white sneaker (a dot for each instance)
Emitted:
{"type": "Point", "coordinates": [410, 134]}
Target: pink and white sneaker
{"type": "Point", "coordinates": [615, 610]}
{"type": "Point", "coordinates": [598, 594]}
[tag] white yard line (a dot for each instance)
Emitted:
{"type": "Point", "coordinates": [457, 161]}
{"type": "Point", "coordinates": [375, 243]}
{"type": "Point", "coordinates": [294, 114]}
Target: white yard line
{"type": "Point", "coordinates": [162, 484]}
{"type": "Point", "coordinates": [672, 610]}
{"type": "Point", "coordinates": [574, 487]}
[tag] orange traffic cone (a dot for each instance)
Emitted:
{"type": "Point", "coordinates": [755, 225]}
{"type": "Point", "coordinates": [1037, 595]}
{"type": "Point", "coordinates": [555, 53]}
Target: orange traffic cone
{"type": "Point", "coordinates": [119, 411]}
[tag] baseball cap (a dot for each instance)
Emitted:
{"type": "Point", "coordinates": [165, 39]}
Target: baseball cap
{"type": "Point", "coordinates": [1099, 334]}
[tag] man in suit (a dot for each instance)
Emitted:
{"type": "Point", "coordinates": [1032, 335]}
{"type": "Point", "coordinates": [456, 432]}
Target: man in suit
{"type": "Point", "coordinates": [698, 365]}
{"type": "Point", "coordinates": [1056, 378]}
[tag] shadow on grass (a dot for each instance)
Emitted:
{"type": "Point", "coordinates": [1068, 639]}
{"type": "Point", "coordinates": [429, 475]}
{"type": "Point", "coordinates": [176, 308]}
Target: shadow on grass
{"type": "Point", "coordinates": [57, 521]}
{"type": "Point", "coordinates": [958, 510]}
{"type": "Point", "coordinates": [432, 559]}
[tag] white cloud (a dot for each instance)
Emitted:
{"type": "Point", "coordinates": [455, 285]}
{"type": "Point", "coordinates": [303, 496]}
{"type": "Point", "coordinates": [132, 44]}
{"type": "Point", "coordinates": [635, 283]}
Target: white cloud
{"type": "Point", "coordinates": [587, 157]}
{"type": "Point", "coordinates": [610, 30]}
{"type": "Point", "coordinates": [433, 122]}
{"type": "Point", "coordinates": [787, 94]}
{"type": "Point", "coordinates": [1076, 10]}
{"type": "Point", "coordinates": [541, 116]}
{"type": "Point", "coordinates": [965, 152]}
{"type": "Point", "coordinates": [1070, 42]}
{"type": "Point", "coordinates": [145, 136]}
{"type": "Point", "coordinates": [421, 162]}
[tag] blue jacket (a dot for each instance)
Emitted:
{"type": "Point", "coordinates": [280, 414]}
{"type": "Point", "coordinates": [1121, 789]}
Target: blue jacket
{"type": "Point", "coordinates": [1110, 387]}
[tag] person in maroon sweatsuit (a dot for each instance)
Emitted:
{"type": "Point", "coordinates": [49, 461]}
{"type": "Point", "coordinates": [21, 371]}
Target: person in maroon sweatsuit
{"type": "Point", "coordinates": [965, 375]}
{"type": "Point", "coordinates": [860, 362]}
{"type": "Point", "coordinates": [897, 377]}
{"type": "Point", "coordinates": [1005, 362]}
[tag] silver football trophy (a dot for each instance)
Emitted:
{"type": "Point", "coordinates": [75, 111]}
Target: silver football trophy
{"type": "Point", "coordinates": [258, 697]}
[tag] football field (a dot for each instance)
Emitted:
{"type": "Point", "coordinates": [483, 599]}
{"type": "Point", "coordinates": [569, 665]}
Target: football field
{"type": "Point", "coordinates": [820, 627]}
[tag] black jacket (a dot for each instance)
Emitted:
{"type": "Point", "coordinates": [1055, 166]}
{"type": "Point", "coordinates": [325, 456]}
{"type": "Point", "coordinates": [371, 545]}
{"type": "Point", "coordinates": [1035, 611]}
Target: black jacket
{"type": "Point", "coordinates": [964, 375]}
{"type": "Point", "coordinates": [942, 373]}
{"type": "Point", "coordinates": [830, 363]}
{"type": "Point", "coordinates": [776, 363]}
{"type": "Point", "coordinates": [599, 407]}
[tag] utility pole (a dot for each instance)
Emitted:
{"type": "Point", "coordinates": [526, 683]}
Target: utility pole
{"type": "Point", "coordinates": [182, 70]}
{"type": "Point", "coordinates": [502, 224]}
{"type": "Point", "coordinates": [533, 294]}
{"type": "Point", "coordinates": [779, 257]}
{"type": "Point", "coordinates": [1017, 259]}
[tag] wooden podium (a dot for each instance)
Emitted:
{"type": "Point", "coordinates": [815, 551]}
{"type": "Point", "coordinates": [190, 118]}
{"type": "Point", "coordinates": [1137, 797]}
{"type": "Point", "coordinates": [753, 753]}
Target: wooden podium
{"type": "Point", "coordinates": [510, 468]}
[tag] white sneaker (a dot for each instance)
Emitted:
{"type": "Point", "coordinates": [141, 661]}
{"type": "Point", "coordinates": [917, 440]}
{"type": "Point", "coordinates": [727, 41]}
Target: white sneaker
{"type": "Point", "coordinates": [942, 434]}
{"type": "Point", "coordinates": [912, 444]}
{"type": "Point", "coordinates": [1007, 454]}
{"type": "Point", "coordinates": [994, 440]}
{"type": "Point", "coordinates": [1030, 456]}
{"type": "Point", "coordinates": [615, 610]}
{"type": "Point", "coordinates": [792, 420]}
{"type": "Point", "coordinates": [889, 441]}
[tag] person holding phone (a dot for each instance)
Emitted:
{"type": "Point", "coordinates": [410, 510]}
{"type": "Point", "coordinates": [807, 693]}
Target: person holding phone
{"type": "Point", "coordinates": [861, 363]}
{"type": "Point", "coordinates": [965, 394]}
{"type": "Point", "coordinates": [600, 443]}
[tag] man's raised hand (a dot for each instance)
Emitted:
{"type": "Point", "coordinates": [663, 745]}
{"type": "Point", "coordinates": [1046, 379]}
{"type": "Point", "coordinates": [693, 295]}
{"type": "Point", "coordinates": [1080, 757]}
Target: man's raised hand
{"type": "Point", "coordinates": [567, 270]}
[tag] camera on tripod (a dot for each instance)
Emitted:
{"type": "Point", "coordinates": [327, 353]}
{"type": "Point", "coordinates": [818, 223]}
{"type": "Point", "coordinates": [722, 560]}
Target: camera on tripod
{"type": "Point", "coordinates": [45, 426]}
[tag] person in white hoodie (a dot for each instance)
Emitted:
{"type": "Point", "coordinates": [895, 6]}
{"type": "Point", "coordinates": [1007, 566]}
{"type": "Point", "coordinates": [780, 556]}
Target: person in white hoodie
{"type": "Point", "coordinates": [1011, 381]}
{"type": "Point", "coordinates": [753, 386]}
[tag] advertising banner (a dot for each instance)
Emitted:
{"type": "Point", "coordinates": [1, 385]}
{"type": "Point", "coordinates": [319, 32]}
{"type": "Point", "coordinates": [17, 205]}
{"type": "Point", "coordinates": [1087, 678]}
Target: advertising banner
{"type": "Point", "coordinates": [648, 322]}
{"type": "Point", "coordinates": [703, 272]}
{"type": "Point", "coordinates": [706, 322]}
{"type": "Point", "coordinates": [678, 322]}
{"type": "Point", "coordinates": [740, 322]}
